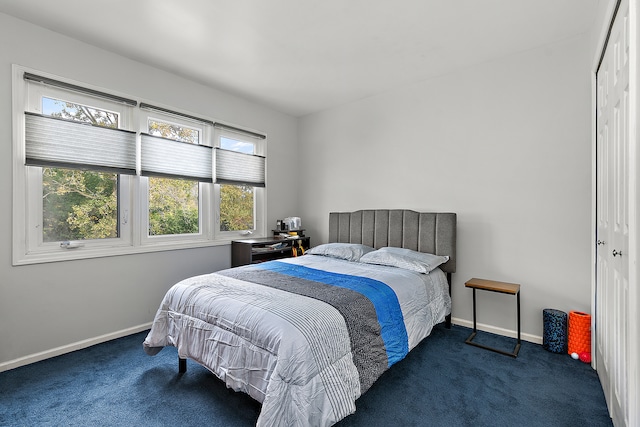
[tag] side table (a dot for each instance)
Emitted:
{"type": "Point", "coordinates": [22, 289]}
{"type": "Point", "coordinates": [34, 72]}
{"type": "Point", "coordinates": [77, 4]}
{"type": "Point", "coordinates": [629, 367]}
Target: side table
{"type": "Point", "coordinates": [494, 286]}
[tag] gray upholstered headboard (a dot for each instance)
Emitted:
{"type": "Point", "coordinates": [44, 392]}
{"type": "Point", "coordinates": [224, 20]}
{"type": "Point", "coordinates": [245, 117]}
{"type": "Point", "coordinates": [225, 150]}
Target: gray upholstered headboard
{"type": "Point", "coordinates": [432, 232]}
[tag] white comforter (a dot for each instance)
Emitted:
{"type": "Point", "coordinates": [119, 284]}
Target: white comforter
{"type": "Point", "coordinates": [290, 352]}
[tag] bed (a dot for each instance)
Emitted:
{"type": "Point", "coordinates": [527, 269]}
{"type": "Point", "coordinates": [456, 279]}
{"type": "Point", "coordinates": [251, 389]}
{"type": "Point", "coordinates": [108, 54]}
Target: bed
{"type": "Point", "coordinates": [307, 336]}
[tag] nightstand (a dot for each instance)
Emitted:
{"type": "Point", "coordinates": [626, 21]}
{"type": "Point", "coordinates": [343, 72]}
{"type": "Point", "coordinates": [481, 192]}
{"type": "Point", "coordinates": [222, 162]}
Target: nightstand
{"type": "Point", "coordinates": [494, 286]}
{"type": "Point", "coordinates": [252, 251]}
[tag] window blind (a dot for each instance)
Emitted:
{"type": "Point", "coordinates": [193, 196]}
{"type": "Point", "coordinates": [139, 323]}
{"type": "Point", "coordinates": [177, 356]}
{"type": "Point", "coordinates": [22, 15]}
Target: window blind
{"type": "Point", "coordinates": [63, 85]}
{"type": "Point", "coordinates": [175, 159]}
{"type": "Point", "coordinates": [238, 130]}
{"type": "Point", "coordinates": [233, 167]}
{"type": "Point", "coordinates": [51, 141]}
{"type": "Point", "coordinates": [174, 113]}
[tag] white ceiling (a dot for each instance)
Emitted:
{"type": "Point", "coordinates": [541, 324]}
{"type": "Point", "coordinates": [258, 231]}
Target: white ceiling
{"type": "Point", "coordinates": [303, 56]}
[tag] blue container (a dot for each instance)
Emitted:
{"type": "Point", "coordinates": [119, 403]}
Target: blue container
{"type": "Point", "coordinates": [554, 338]}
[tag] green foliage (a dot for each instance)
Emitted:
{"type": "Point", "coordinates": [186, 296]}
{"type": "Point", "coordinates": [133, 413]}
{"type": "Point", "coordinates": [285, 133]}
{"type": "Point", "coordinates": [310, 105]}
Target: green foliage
{"type": "Point", "coordinates": [79, 204]}
{"type": "Point", "coordinates": [236, 208]}
{"type": "Point", "coordinates": [173, 206]}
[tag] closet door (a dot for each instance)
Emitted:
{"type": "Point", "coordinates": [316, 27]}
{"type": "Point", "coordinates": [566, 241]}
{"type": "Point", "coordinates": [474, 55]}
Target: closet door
{"type": "Point", "coordinates": [612, 216]}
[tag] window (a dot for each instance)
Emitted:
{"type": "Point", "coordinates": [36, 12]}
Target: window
{"type": "Point", "coordinates": [79, 204]}
{"type": "Point", "coordinates": [240, 178]}
{"type": "Point", "coordinates": [174, 197]}
{"type": "Point", "coordinates": [73, 163]}
{"type": "Point", "coordinates": [236, 201]}
{"type": "Point", "coordinates": [98, 174]}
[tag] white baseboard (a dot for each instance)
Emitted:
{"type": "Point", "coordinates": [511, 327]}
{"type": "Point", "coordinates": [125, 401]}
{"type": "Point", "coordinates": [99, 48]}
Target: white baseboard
{"type": "Point", "coordinates": [498, 331]}
{"type": "Point", "coordinates": [36, 357]}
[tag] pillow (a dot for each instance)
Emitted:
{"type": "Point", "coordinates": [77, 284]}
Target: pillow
{"type": "Point", "coordinates": [348, 251]}
{"type": "Point", "coordinates": [404, 258]}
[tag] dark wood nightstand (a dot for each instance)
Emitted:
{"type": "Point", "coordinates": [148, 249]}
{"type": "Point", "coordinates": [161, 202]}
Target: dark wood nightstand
{"type": "Point", "coordinates": [494, 286]}
{"type": "Point", "coordinates": [252, 251]}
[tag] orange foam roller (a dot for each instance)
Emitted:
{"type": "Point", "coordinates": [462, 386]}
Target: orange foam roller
{"type": "Point", "coordinates": [579, 332]}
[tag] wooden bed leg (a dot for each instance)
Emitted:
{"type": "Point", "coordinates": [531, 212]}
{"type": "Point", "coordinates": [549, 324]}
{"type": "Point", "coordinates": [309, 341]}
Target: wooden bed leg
{"type": "Point", "coordinates": [182, 365]}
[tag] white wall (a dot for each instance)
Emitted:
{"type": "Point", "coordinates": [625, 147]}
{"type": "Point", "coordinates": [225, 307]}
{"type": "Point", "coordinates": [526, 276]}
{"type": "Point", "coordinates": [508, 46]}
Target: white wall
{"type": "Point", "coordinates": [505, 144]}
{"type": "Point", "coordinates": [43, 307]}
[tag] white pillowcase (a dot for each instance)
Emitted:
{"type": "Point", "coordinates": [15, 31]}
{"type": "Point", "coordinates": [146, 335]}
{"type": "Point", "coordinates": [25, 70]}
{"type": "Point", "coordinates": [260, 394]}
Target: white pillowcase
{"type": "Point", "coordinates": [404, 258]}
{"type": "Point", "coordinates": [348, 251]}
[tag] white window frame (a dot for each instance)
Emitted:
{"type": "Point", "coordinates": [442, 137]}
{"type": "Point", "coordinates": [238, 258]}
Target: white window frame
{"type": "Point", "coordinates": [259, 193]}
{"type": "Point", "coordinates": [27, 244]}
{"type": "Point", "coordinates": [204, 189]}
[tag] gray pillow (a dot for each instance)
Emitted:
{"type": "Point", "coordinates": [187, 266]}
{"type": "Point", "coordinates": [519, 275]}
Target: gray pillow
{"type": "Point", "coordinates": [348, 251]}
{"type": "Point", "coordinates": [404, 258]}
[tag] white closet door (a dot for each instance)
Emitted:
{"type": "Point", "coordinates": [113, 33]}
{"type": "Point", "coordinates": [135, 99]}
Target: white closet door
{"type": "Point", "coordinates": [612, 216]}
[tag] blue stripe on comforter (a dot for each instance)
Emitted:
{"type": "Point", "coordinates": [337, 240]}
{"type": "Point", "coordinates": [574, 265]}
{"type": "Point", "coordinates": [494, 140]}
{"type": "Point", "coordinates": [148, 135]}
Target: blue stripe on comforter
{"type": "Point", "coordinates": [383, 298]}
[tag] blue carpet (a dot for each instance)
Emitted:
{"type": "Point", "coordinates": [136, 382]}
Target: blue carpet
{"type": "Point", "coordinates": [443, 382]}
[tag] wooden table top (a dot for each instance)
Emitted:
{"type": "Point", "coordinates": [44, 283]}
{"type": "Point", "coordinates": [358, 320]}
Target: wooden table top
{"type": "Point", "coordinates": [493, 285]}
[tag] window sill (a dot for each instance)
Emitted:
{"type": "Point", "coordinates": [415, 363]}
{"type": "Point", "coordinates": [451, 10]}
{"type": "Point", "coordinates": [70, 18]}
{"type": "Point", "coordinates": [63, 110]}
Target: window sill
{"type": "Point", "coordinates": [88, 253]}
